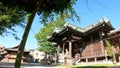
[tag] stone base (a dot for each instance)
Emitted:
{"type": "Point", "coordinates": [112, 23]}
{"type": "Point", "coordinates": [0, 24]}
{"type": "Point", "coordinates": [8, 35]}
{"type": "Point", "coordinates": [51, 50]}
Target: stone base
{"type": "Point", "coordinates": [68, 61]}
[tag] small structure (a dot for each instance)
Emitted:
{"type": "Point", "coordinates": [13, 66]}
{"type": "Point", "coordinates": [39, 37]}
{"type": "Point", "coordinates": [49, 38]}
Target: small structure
{"type": "Point", "coordinates": [114, 39]}
{"type": "Point", "coordinates": [1, 48]}
{"type": "Point", "coordinates": [11, 54]}
{"type": "Point", "coordinates": [2, 51]}
{"type": "Point", "coordinates": [37, 55]}
{"type": "Point", "coordinates": [88, 41]}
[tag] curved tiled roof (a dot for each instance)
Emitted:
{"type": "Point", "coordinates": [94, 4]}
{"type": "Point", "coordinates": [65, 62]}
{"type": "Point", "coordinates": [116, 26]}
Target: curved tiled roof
{"type": "Point", "coordinates": [9, 49]}
{"type": "Point", "coordinates": [15, 48]}
{"type": "Point", "coordinates": [104, 20]}
{"type": "Point", "coordinates": [78, 31]}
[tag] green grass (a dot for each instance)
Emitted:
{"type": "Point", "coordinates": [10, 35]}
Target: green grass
{"type": "Point", "coordinates": [91, 67]}
{"type": "Point", "coordinates": [96, 66]}
{"type": "Point", "coordinates": [88, 66]}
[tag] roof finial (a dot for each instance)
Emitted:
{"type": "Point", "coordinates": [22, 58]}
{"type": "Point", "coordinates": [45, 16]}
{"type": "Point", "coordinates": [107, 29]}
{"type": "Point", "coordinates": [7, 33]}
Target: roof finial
{"type": "Point", "coordinates": [105, 19]}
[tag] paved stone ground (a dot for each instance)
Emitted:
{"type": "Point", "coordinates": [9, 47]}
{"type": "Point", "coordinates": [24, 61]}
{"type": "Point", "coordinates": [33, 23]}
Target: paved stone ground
{"type": "Point", "coordinates": [26, 65]}
{"type": "Point", "coordinates": [40, 66]}
{"type": "Point", "coordinates": [37, 65]}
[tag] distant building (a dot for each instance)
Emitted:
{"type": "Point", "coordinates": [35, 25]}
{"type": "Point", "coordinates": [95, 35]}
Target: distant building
{"type": "Point", "coordinates": [11, 54]}
{"type": "Point", "coordinates": [114, 38]}
{"type": "Point", "coordinates": [1, 48]}
{"type": "Point", "coordinates": [37, 55]}
{"type": "Point", "coordinates": [2, 51]}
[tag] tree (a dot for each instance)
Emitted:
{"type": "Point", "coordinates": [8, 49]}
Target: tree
{"type": "Point", "coordinates": [110, 50]}
{"type": "Point", "coordinates": [41, 36]}
{"type": "Point", "coordinates": [47, 29]}
{"type": "Point", "coordinates": [44, 8]}
{"type": "Point", "coordinates": [10, 17]}
{"type": "Point", "coordinates": [45, 46]}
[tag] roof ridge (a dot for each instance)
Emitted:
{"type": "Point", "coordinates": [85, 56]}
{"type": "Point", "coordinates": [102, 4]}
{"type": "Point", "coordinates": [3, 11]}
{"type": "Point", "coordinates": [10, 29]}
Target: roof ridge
{"type": "Point", "coordinates": [103, 20]}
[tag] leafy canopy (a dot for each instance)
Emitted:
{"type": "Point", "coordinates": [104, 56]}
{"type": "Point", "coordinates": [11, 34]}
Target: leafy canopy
{"type": "Point", "coordinates": [109, 48]}
{"type": "Point", "coordinates": [10, 17]}
{"type": "Point", "coordinates": [45, 46]}
{"type": "Point", "coordinates": [47, 8]}
{"type": "Point", "coordinates": [46, 31]}
{"type": "Point", "coordinates": [13, 13]}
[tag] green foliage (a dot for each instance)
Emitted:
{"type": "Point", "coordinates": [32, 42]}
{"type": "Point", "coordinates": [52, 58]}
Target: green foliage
{"type": "Point", "coordinates": [47, 8]}
{"type": "Point", "coordinates": [45, 46]}
{"type": "Point", "coordinates": [109, 48]}
{"type": "Point", "coordinates": [48, 49]}
{"type": "Point", "coordinates": [13, 13]}
{"type": "Point", "coordinates": [10, 17]}
{"type": "Point", "coordinates": [46, 31]}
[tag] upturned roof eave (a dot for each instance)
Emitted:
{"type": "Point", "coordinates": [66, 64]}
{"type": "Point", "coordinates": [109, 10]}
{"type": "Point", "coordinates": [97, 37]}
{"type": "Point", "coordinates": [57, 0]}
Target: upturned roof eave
{"type": "Point", "coordinates": [103, 22]}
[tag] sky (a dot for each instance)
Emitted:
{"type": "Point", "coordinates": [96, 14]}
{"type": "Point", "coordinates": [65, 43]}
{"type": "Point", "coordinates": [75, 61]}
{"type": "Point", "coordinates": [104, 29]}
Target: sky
{"type": "Point", "coordinates": [90, 11]}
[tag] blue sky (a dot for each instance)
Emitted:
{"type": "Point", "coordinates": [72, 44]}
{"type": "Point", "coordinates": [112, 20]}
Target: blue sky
{"type": "Point", "coordinates": [89, 13]}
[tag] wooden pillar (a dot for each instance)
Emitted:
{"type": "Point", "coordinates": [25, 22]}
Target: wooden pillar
{"type": "Point", "coordinates": [83, 46]}
{"type": "Point", "coordinates": [70, 49]}
{"type": "Point", "coordinates": [92, 45]}
{"type": "Point", "coordinates": [95, 59]}
{"type": "Point", "coordinates": [58, 49]}
{"type": "Point", "coordinates": [106, 59]}
{"type": "Point", "coordinates": [101, 41]}
{"type": "Point", "coordinates": [58, 52]}
{"type": "Point", "coordinates": [119, 43]}
{"type": "Point", "coordinates": [86, 60]}
{"type": "Point", "coordinates": [63, 48]}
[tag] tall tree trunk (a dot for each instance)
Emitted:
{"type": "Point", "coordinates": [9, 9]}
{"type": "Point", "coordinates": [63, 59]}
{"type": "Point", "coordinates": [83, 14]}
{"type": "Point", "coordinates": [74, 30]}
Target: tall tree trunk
{"type": "Point", "coordinates": [24, 38]}
{"type": "Point", "coordinates": [45, 59]}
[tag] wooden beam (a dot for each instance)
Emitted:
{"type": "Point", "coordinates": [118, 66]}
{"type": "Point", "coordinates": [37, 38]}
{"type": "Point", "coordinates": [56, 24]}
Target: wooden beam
{"type": "Point", "coordinates": [76, 37]}
{"type": "Point", "coordinates": [72, 40]}
{"type": "Point", "coordinates": [112, 37]}
{"type": "Point", "coordinates": [65, 38]}
{"type": "Point", "coordinates": [70, 49]}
